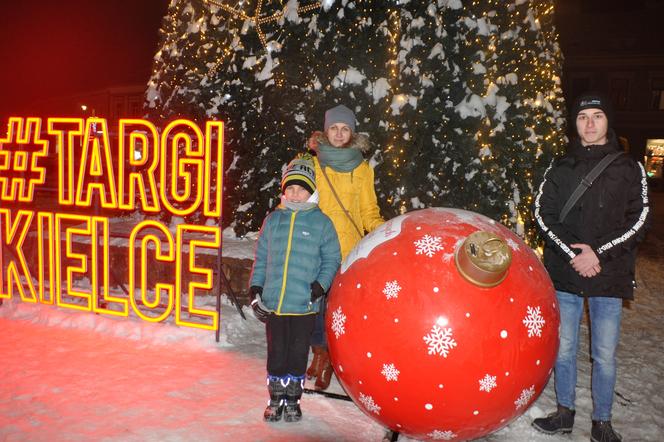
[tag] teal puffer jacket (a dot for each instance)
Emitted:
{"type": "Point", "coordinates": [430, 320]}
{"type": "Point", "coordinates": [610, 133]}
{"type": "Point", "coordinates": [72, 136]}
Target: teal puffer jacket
{"type": "Point", "coordinates": [295, 248]}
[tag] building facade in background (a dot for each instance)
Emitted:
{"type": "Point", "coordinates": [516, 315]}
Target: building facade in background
{"type": "Point", "coordinates": [616, 47]}
{"type": "Point", "coordinates": [112, 103]}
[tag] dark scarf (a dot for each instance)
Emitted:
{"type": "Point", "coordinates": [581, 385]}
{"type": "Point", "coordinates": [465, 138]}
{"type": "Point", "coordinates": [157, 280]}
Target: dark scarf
{"type": "Point", "coordinates": [341, 159]}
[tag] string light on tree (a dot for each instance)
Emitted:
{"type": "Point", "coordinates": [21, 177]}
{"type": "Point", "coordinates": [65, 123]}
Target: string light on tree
{"type": "Point", "coordinates": [257, 19]}
{"type": "Point", "coordinates": [462, 100]}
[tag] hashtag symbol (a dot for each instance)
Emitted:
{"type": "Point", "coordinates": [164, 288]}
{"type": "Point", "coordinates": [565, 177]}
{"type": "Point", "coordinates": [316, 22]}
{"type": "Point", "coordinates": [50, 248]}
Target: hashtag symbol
{"type": "Point", "coordinates": [20, 152]}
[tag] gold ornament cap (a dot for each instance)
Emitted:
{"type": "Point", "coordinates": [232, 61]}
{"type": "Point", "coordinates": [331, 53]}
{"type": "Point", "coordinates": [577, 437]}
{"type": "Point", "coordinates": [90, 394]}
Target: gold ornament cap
{"type": "Point", "coordinates": [483, 259]}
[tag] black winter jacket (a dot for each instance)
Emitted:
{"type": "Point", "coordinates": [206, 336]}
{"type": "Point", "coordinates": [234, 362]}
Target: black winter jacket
{"type": "Point", "coordinates": [611, 217]}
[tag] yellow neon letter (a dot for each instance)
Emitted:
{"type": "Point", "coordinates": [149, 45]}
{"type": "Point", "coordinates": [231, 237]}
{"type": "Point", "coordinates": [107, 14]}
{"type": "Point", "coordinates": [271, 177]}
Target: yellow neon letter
{"type": "Point", "coordinates": [101, 281]}
{"type": "Point", "coordinates": [71, 128]}
{"type": "Point", "coordinates": [82, 226]}
{"type": "Point", "coordinates": [96, 168]}
{"type": "Point", "coordinates": [142, 156]}
{"type": "Point", "coordinates": [13, 235]}
{"type": "Point", "coordinates": [214, 156]}
{"type": "Point", "coordinates": [183, 156]}
{"type": "Point", "coordinates": [20, 152]}
{"type": "Point", "coordinates": [193, 269]}
{"type": "Point", "coordinates": [161, 289]}
{"type": "Point", "coordinates": [46, 258]}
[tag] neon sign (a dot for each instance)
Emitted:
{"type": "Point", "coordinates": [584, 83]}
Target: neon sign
{"type": "Point", "coordinates": [178, 170]}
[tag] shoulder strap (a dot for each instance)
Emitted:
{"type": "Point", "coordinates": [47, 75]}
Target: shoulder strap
{"type": "Point", "coordinates": [586, 182]}
{"type": "Point", "coordinates": [334, 192]}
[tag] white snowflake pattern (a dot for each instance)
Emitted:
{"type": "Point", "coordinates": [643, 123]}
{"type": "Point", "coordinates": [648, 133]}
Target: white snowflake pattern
{"type": "Point", "coordinates": [369, 404]}
{"type": "Point", "coordinates": [442, 435]}
{"type": "Point", "coordinates": [440, 341]}
{"type": "Point", "coordinates": [526, 395]}
{"type": "Point", "coordinates": [428, 245]}
{"type": "Point", "coordinates": [392, 289]}
{"type": "Point", "coordinates": [338, 322]}
{"type": "Point", "coordinates": [534, 321]}
{"type": "Point", "coordinates": [488, 383]}
{"type": "Point", "coordinates": [390, 372]}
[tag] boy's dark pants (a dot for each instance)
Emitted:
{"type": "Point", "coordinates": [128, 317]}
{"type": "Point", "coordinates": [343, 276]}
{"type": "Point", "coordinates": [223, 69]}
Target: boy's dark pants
{"type": "Point", "coordinates": [288, 344]}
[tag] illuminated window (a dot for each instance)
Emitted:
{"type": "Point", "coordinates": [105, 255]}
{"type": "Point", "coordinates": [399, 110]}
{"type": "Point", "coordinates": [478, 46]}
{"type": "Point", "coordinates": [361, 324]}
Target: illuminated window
{"type": "Point", "coordinates": [654, 157]}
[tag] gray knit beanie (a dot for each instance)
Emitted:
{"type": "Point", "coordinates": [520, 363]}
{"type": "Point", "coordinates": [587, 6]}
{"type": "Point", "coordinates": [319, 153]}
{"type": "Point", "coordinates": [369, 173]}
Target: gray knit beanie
{"type": "Point", "coordinates": [339, 114]}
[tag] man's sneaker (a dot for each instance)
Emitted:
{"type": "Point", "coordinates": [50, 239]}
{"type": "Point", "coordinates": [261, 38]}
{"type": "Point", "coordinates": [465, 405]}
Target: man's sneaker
{"type": "Point", "coordinates": [560, 421]}
{"type": "Point", "coordinates": [391, 436]}
{"type": "Point", "coordinates": [603, 432]}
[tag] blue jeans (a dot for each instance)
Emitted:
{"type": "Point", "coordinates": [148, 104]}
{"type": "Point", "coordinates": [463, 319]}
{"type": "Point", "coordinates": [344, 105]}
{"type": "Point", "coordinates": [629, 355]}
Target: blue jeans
{"type": "Point", "coordinates": [605, 316]}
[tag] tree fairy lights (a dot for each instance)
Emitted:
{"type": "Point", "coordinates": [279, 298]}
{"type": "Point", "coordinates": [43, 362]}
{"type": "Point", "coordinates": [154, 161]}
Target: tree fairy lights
{"type": "Point", "coordinates": [462, 100]}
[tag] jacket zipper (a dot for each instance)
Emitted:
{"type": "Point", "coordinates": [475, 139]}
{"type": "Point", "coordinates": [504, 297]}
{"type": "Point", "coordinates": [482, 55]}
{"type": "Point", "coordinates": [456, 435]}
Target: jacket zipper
{"type": "Point", "coordinates": [288, 250]}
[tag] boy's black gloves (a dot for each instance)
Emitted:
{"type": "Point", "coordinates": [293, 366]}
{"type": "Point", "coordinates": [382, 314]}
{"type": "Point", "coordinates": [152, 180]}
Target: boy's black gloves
{"type": "Point", "coordinates": [316, 291]}
{"type": "Point", "coordinates": [260, 311]}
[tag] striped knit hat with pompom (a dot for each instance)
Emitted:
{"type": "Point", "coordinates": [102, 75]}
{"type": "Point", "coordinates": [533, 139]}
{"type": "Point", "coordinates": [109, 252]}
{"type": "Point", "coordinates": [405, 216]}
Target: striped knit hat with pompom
{"type": "Point", "coordinates": [300, 171]}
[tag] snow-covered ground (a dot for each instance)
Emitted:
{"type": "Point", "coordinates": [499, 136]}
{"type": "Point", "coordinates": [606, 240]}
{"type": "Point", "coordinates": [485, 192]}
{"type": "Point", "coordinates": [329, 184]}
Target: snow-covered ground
{"type": "Point", "coordinates": [71, 376]}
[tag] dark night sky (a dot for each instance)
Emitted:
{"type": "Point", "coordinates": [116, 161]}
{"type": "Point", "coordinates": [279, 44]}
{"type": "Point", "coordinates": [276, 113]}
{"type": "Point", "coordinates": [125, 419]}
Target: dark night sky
{"type": "Point", "coordinates": [610, 27]}
{"type": "Point", "coordinates": [52, 48]}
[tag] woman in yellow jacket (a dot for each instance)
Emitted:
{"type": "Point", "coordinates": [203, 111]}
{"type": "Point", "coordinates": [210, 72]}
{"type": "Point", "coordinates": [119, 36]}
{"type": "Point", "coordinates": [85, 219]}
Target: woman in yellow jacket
{"type": "Point", "coordinates": [345, 183]}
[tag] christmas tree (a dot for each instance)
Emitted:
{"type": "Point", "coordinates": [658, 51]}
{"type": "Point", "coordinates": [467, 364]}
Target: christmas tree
{"type": "Point", "coordinates": [461, 100]}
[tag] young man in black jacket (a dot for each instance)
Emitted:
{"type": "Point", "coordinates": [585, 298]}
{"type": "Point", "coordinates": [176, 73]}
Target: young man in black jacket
{"type": "Point", "coordinates": [590, 254]}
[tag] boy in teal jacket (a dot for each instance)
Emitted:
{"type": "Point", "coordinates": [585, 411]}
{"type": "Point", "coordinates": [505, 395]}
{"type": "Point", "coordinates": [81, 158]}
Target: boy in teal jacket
{"type": "Point", "coordinates": [297, 256]}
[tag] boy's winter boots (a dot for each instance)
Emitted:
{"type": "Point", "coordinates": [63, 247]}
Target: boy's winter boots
{"type": "Point", "coordinates": [285, 393]}
{"type": "Point", "coordinates": [293, 412]}
{"type": "Point", "coordinates": [276, 386]}
{"type": "Point", "coordinates": [560, 421]}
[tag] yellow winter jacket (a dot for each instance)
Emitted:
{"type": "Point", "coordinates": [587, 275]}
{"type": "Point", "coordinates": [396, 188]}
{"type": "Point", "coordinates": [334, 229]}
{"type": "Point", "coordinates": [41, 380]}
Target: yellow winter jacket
{"type": "Point", "coordinates": [357, 193]}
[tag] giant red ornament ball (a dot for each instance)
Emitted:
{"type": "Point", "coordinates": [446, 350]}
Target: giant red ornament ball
{"type": "Point", "coordinates": [430, 341]}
